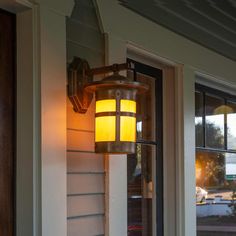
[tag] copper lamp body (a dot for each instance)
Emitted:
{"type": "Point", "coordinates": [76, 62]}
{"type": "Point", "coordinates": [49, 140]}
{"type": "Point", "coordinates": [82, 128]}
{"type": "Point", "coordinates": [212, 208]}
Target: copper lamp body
{"type": "Point", "coordinates": [115, 115]}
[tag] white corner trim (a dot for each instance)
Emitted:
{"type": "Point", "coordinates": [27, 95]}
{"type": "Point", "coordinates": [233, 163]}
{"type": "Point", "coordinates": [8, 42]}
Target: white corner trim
{"type": "Point", "coordinates": [41, 199]}
{"type": "Point", "coordinates": [53, 79]}
{"type": "Point", "coordinates": [28, 193]}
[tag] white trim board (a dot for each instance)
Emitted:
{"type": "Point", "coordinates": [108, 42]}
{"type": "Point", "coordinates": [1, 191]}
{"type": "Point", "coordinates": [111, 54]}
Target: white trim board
{"type": "Point", "coordinates": [215, 83]}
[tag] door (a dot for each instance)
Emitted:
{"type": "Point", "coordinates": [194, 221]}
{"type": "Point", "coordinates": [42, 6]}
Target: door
{"type": "Point", "coordinates": [145, 167]}
{"type": "Point", "coordinates": [7, 136]}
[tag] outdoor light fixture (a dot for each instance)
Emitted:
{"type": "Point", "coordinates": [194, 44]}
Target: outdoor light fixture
{"type": "Point", "coordinates": [115, 113]}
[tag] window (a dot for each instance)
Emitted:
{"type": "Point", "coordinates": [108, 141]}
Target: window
{"type": "Point", "coordinates": [145, 181]}
{"type": "Point", "coordinates": [215, 126]}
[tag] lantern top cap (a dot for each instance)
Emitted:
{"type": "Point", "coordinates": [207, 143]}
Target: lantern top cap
{"type": "Point", "coordinates": [116, 81]}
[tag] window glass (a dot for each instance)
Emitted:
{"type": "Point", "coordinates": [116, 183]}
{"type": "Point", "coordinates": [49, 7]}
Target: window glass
{"type": "Point", "coordinates": [141, 192]}
{"type": "Point", "coordinates": [214, 122]}
{"type": "Point", "coordinates": [199, 118]}
{"type": "Point", "coordinates": [231, 125]}
{"type": "Point", "coordinates": [146, 117]}
{"type": "Point", "coordinates": [215, 163]}
{"type": "Point", "coordinates": [216, 193]}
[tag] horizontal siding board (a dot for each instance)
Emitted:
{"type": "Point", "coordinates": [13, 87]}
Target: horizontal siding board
{"type": "Point", "coordinates": [80, 121]}
{"type": "Point", "coordinates": [83, 216]}
{"type": "Point", "coordinates": [80, 184]}
{"type": "Point", "coordinates": [85, 169]}
{"type": "Point", "coordinates": [84, 194]}
{"type": "Point", "coordinates": [85, 205]}
{"type": "Point", "coordinates": [94, 58]}
{"type": "Point", "coordinates": [87, 226]}
{"type": "Point", "coordinates": [80, 140]}
{"type": "Point", "coordinates": [89, 37]}
{"type": "Point", "coordinates": [84, 162]}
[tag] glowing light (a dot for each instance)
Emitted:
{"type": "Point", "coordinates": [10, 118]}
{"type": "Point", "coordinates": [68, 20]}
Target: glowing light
{"type": "Point", "coordinates": [105, 129]}
{"type": "Point", "coordinates": [127, 106]}
{"type": "Point", "coordinates": [105, 105]}
{"type": "Point", "coordinates": [127, 129]}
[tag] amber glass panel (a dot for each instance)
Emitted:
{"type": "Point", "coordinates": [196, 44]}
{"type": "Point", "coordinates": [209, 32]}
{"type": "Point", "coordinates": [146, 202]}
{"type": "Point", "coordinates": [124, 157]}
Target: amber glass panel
{"type": "Point", "coordinates": [105, 105]}
{"type": "Point", "coordinates": [127, 129]}
{"type": "Point", "coordinates": [127, 105]}
{"type": "Point", "coordinates": [141, 197]}
{"type": "Point", "coordinates": [105, 132]}
{"type": "Point", "coordinates": [214, 122]}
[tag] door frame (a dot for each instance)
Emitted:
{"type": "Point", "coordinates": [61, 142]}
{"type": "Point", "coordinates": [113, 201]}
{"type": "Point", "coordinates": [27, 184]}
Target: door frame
{"type": "Point", "coordinates": [172, 160]}
{"type": "Point", "coordinates": [175, 206]}
{"type": "Point", "coordinates": [11, 133]}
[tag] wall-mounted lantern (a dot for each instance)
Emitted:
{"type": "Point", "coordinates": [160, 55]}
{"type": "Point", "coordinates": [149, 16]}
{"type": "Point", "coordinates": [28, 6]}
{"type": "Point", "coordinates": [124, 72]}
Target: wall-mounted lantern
{"type": "Point", "coordinates": [115, 114]}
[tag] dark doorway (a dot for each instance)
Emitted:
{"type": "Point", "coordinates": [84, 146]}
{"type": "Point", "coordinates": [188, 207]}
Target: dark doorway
{"type": "Point", "coordinates": [7, 122]}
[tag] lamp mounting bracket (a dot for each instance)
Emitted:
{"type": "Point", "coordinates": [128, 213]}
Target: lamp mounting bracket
{"type": "Point", "coordinates": [107, 69]}
{"type": "Point", "coordinates": [79, 75]}
{"type": "Point", "coordinates": [77, 78]}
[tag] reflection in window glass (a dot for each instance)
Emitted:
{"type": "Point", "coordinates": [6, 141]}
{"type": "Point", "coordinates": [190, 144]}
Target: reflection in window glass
{"type": "Point", "coordinates": [231, 125]}
{"type": "Point", "coordinates": [215, 170]}
{"type": "Point", "coordinates": [230, 166]}
{"type": "Point", "coordinates": [215, 193]}
{"type": "Point", "coordinates": [140, 191]}
{"type": "Point", "coordinates": [214, 122]}
{"type": "Point", "coordinates": [199, 118]}
{"type": "Point", "coordinates": [146, 117]}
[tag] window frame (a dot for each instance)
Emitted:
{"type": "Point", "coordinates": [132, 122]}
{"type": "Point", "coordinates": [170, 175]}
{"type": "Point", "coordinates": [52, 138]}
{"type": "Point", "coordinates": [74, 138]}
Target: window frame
{"type": "Point", "coordinates": [221, 95]}
{"type": "Point", "coordinates": [227, 97]}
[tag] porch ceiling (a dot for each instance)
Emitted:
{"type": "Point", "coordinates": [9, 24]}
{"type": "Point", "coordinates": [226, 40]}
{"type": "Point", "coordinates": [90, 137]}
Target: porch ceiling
{"type": "Point", "coordinates": [211, 23]}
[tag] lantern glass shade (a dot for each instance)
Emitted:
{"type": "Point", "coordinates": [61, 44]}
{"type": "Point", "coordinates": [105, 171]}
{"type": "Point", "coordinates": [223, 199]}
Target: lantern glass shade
{"type": "Point", "coordinates": [115, 113]}
{"type": "Point", "coordinates": [106, 105]}
{"type": "Point", "coordinates": [127, 129]}
{"type": "Point", "coordinates": [109, 113]}
{"type": "Point", "coordinates": [105, 124]}
{"type": "Point", "coordinates": [128, 122]}
{"type": "Point", "coordinates": [105, 129]}
{"type": "Point", "coordinates": [127, 105]}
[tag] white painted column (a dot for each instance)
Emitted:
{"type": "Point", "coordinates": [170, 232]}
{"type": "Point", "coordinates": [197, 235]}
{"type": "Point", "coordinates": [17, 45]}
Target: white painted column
{"type": "Point", "coordinates": [41, 117]}
{"type": "Point", "coordinates": [26, 157]}
{"type": "Point", "coordinates": [53, 122]}
{"type": "Point", "coordinates": [189, 151]}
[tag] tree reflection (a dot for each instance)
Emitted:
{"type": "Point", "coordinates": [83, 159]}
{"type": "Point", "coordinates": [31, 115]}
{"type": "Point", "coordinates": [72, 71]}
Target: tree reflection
{"type": "Point", "coordinates": [211, 166]}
